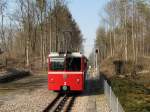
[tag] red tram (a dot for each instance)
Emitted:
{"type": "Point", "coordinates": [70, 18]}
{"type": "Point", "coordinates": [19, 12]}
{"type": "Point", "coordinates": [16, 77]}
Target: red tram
{"type": "Point", "coordinates": [66, 71]}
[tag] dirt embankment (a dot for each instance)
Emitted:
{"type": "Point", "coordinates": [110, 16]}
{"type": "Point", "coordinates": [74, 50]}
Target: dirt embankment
{"type": "Point", "coordinates": [111, 67]}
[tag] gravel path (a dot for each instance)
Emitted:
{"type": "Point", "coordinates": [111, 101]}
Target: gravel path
{"type": "Point", "coordinates": [27, 98]}
{"type": "Point", "coordinates": [35, 101]}
{"type": "Point", "coordinates": [80, 104]}
{"type": "Point", "coordinates": [29, 94]}
{"type": "Point", "coordinates": [95, 103]}
{"type": "Point", "coordinates": [101, 104]}
{"type": "Point", "coordinates": [93, 99]}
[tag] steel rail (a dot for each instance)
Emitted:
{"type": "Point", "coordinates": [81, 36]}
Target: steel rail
{"type": "Point", "coordinates": [50, 106]}
{"type": "Point", "coordinates": [60, 103]}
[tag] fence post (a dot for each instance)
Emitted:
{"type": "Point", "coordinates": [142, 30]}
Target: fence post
{"type": "Point", "coordinates": [117, 104]}
{"type": "Point", "coordinates": [113, 101]}
{"type": "Point", "coordinates": [110, 96]}
{"type": "Point", "coordinates": [105, 87]}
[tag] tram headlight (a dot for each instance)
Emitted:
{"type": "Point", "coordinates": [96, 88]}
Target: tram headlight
{"type": "Point", "coordinates": [51, 79]}
{"type": "Point", "coordinates": [78, 80]}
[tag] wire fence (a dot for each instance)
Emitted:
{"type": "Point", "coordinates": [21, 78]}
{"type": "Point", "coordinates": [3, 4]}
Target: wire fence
{"type": "Point", "coordinates": [113, 102]}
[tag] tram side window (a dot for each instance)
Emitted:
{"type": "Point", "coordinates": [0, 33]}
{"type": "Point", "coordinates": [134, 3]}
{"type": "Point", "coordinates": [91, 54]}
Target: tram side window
{"type": "Point", "coordinates": [57, 65]}
{"type": "Point", "coordinates": [73, 64]}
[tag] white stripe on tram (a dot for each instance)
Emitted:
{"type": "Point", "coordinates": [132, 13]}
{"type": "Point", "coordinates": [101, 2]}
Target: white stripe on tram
{"type": "Point", "coordinates": [65, 72]}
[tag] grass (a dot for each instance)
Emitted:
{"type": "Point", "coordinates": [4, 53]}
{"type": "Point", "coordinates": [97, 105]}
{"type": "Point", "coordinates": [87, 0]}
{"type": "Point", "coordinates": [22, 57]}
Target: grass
{"type": "Point", "coordinates": [134, 97]}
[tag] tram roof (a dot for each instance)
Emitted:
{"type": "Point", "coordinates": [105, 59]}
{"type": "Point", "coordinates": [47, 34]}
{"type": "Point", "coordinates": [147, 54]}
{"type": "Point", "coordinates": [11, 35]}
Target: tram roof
{"type": "Point", "coordinates": [73, 54]}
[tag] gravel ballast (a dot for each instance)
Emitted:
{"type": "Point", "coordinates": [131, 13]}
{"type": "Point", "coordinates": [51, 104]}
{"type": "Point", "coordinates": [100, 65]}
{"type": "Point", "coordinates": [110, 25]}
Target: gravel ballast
{"type": "Point", "coordinates": [35, 101]}
{"type": "Point", "coordinates": [31, 94]}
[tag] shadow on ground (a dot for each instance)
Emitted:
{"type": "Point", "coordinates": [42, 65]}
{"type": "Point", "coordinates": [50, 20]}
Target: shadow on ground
{"type": "Point", "coordinates": [94, 86]}
{"type": "Point", "coordinates": [13, 74]}
{"type": "Point", "coordinates": [26, 84]}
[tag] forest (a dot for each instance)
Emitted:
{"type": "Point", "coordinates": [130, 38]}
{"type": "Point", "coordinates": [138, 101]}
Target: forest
{"type": "Point", "coordinates": [31, 29]}
{"type": "Point", "coordinates": [34, 28]}
{"type": "Point", "coordinates": [124, 30]}
{"type": "Point", "coordinates": [123, 37]}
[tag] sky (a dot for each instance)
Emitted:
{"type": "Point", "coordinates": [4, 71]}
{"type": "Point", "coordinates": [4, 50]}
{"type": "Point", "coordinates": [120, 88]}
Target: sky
{"type": "Point", "coordinates": [87, 14]}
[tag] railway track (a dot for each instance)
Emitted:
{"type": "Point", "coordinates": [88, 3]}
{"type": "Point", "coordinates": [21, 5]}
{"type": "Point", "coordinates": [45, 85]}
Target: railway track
{"type": "Point", "coordinates": [62, 103]}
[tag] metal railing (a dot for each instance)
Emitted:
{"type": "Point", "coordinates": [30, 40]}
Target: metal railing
{"type": "Point", "coordinates": [113, 102]}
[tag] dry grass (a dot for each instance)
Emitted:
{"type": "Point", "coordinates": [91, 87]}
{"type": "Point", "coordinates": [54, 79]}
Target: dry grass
{"type": "Point", "coordinates": [133, 96]}
{"type": "Point", "coordinates": [133, 92]}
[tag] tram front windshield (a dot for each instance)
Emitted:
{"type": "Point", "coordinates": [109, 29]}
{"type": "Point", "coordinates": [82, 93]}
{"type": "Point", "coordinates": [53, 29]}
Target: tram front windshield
{"type": "Point", "coordinates": [68, 64]}
{"type": "Point", "coordinates": [73, 64]}
{"type": "Point", "coordinates": [57, 64]}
